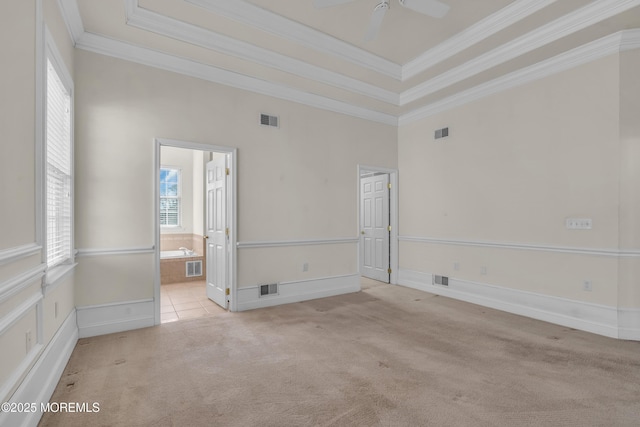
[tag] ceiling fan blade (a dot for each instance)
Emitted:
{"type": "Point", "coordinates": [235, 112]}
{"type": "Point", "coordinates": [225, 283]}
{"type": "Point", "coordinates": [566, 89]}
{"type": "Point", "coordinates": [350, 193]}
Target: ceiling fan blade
{"type": "Point", "coordinates": [432, 8]}
{"type": "Point", "coordinates": [328, 3]}
{"type": "Point", "coordinates": [376, 21]}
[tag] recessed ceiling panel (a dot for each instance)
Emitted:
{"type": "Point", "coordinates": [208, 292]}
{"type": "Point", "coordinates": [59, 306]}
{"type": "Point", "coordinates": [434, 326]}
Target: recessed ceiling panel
{"type": "Point", "coordinates": [319, 54]}
{"type": "Point", "coordinates": [404, 33]}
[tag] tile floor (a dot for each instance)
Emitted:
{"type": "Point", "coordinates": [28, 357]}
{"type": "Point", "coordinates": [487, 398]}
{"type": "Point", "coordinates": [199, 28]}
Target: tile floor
{"type": "Point", "coordinates": [186, 301]}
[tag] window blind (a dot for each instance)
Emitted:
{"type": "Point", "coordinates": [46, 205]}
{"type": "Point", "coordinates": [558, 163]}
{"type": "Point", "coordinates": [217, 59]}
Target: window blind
{"type": "Point", "coordinates": [169, 196]}
{"type": "Point", "coordinates": [58, 163]}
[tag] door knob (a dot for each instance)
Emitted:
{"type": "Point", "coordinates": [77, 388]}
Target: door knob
{"type": "Point", "coordinates": [362, 232]}
{"type": "Point", "coordinates": [206, 237]}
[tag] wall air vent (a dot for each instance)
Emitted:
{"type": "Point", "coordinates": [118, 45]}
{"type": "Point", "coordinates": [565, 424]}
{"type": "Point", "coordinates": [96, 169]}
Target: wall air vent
{"type": "Point", "coordinates": [441, 133]}
{"type": "Point", "coordinates": [194, 268]}
{"type": "Point", "coordinates": [267, 120]}
{"type": "Point", "coordinates": [440, 280]}
{"type": "Point", "coordinates": [270, 289]}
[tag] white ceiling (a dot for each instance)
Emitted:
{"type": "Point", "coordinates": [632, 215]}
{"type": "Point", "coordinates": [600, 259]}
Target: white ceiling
{"type": "Point", "coordinates": [416, 66]}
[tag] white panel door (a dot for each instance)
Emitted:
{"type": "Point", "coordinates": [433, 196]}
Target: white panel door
{"type": "Point", "coordinates": [216, 231]}
{"type": "Point", "coordinates": [374, 223]}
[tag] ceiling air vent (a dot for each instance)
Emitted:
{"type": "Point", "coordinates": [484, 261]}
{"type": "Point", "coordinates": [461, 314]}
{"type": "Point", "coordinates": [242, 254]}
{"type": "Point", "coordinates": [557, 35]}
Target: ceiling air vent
{"type": "Point", "coordinates": [267, 120]}
{"type": "Point", "coordinates": [441, 133]}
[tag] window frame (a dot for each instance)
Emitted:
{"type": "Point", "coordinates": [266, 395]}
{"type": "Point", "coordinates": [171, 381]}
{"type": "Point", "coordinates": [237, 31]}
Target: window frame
{"type": "Point", "coordinates": [178, 197]}
{"type": "Point", "coordinates": [51, 55]}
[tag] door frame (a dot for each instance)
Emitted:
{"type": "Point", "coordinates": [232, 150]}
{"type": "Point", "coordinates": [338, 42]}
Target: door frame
{"type": "Point", "coordinates": [393, 217]}
{"type": "Point", "coordinates": [232, 209]}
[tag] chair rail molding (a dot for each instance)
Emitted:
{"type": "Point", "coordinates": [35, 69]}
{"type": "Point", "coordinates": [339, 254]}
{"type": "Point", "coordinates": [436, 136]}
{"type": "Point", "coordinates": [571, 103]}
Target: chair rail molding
{"type": "Point", "coordinates": [18, 252]}
{"type": "Point", "coordinates": [299, 242]}
{"type": "Point", "coordinates": [630, 253]}
{"type": "Point", "coordinates": [116, 251]}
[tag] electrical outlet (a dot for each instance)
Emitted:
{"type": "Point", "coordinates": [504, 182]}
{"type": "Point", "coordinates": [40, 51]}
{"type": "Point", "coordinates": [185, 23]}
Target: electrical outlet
{"type": "Point", "coordinates": [578, 223]}
{"type": "Point", "coordinates": [55, 309]}
{"type": "Point", "coordinates": [587, 286]}
{"type": "Point", "coordinates": [305, 266]}
{"type": "Point", "coordinates": [456, 266]}
{"type": "Point", "coordinates": [28, 341]}
{"type": "Point", "coordinates": [483, 270]}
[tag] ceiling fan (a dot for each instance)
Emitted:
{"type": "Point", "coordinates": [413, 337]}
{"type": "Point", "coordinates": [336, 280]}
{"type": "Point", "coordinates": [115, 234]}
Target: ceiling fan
{"type": "Point", "coordinates": [433, 8]}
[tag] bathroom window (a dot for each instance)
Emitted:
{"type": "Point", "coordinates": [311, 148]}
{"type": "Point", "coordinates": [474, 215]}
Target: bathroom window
{"type": "Point", "coordinates": [169, 197]}
{"type": "Point", "coordinates": [58, 166]}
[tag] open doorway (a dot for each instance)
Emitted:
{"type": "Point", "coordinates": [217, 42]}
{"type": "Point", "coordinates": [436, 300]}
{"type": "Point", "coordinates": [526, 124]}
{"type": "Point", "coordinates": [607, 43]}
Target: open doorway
{"type": "Point", "coordinates": [377, 223]}
{"type": "Point", "coordinates": [195, 230]}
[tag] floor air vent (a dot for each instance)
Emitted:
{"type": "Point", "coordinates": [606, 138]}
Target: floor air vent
{"type": "Point", "coordinates": [270, 289]}
{"type": "Point", "coordinates": [268, 120]}
{"type": "Point", "coordinates": [441, 280]}
{"type": "Point", "coordinates": [194, 268]}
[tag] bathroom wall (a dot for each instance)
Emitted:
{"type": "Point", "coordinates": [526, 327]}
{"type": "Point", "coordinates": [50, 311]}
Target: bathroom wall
{"type": "Point", "coordinates": [190, 233]}
{"type": "Point", "coordinates": [184, 160]}
{"type": "Point", "coordinates": [199, 160]}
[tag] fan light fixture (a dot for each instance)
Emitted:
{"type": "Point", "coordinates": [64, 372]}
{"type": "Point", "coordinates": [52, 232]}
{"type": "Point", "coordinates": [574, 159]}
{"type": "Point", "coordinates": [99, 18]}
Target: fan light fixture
{"type": "Point", "coordinates": [433, 8]}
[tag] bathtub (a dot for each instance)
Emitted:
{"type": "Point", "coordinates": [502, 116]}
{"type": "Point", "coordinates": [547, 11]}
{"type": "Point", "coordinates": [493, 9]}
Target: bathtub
{"type": "Point", "coordinates": [175, 268]}
{"type": "Point", "coordinates": [177, 254]}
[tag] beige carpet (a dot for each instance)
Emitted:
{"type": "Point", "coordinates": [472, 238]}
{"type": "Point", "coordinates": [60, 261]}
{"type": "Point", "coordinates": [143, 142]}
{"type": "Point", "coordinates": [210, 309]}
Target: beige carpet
{"type": "Point", "coordinates": [389, 356]}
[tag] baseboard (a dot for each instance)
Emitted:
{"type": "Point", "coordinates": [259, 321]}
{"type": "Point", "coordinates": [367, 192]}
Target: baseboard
{"type": "Point", "coordinates": [116, 317]}
{"type": "Point", "coordinates": [296, 291]}
{"type": "Point", "coordinates": [39, 384]}
{"type": "Point", "coordinates": [629, 323]}
{"type": "Point", "coordinates": [594, 318]}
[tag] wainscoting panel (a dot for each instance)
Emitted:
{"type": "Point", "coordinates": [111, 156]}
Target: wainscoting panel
{"type": "Point", "coordinates": [629, 323]}
{"type": "Point", "coordinates": [302, 290]}
{"type": "Point", "coordinates": [42, 379]}
{"type": "Point", "coordinates": [595, 318]}
{"type": "Point", "coordinates": [116, 317]}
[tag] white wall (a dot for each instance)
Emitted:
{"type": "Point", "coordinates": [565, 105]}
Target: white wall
{"type": "Point", "coordinates": [199, 160]}
{"type": "Point", "coordinates": [17, 118]}
{"type": "Point", "coordinates": [497, 191]}
{"type": "Point", "coordinates": [295, 182]}
{"type": "Point", "coordinates": [629, 231]}
{"type": "Point", "coordinates": [26, 307]}
{"type": "Point", "coordinates": [492, 198]}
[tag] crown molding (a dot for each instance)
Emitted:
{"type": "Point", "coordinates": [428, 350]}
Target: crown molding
{"type": "Point", "coordinates": [270, 22]}
{"type": "Point", "coordinates": [114, 48]}
{"type": "Point", "coordinates": [593, 13]}
{"type": "Point", "coordinates": [608, 45]}
{"type": "Point", "coordinates": [72, 19]}
{"type": "Point", "coordinates": [571, 23]}
{"type": "Point", "coordinates": [629, 40]}
{"type": "Point", "coordinates": [255, 16]}
{"type": "Point", "coordinates": [492, 24]}
{"type": "Point", "coordinates": [154, 22]}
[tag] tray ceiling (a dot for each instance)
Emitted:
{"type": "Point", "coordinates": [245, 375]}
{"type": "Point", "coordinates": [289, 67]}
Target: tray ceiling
{"type": "Point", "coordinates": [417, 64]}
